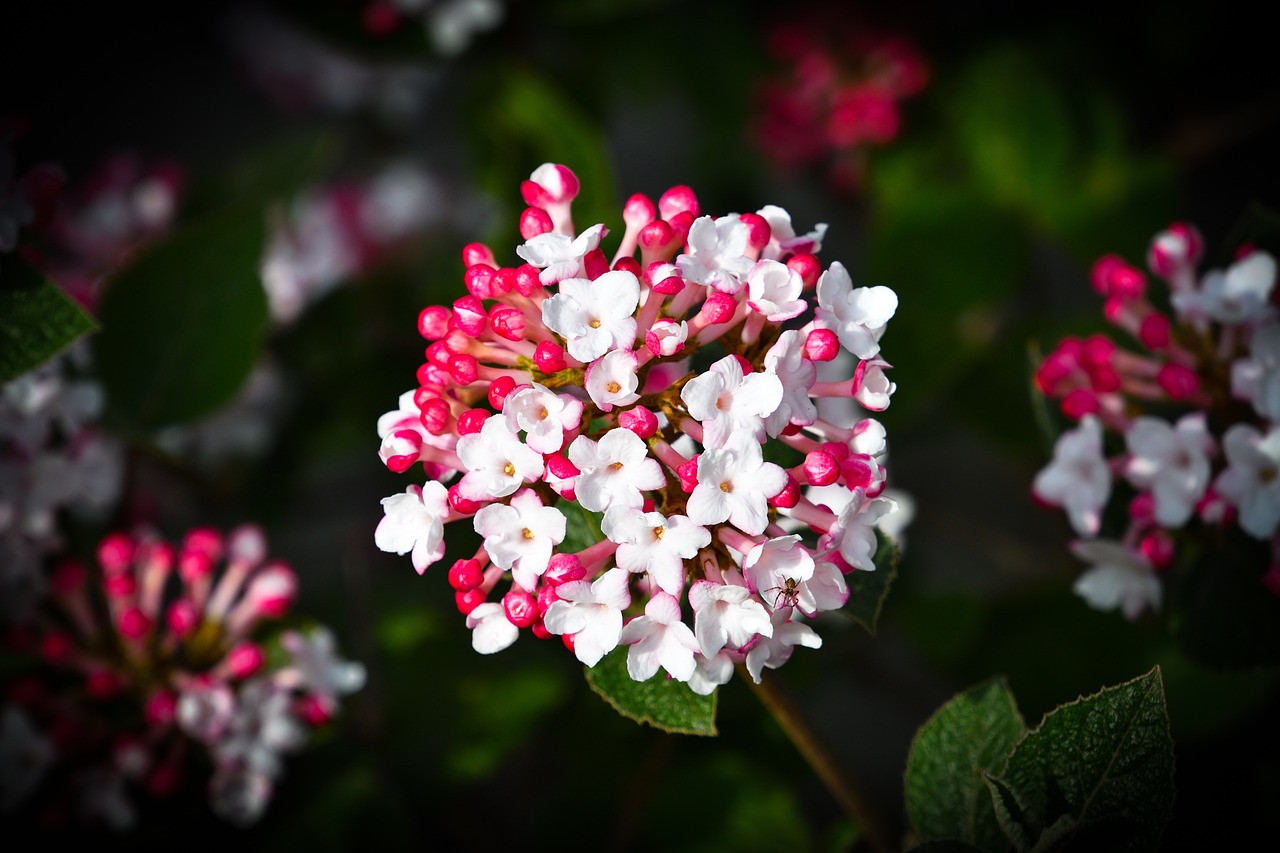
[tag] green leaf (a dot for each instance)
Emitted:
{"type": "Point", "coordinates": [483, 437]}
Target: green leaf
{"type": "Point", "coordinates": [868, 590]}
{"type": "Point", "coordinates": [37, 320]}
{"type": "Point", "coordinates": [582, 527]}
{"type": "Point", "coordinates": [945, 794]}
{"type": "Point", "coordinates": [1099, 768]}
{"type": "Point", "coordinates": [182, 326]}
{"type": "Point", "coordinates": [662, 702]}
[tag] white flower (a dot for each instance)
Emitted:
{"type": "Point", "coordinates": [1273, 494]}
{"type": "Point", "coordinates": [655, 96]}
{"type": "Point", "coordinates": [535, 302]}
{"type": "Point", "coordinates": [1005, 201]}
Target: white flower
{"type": "Point", "coordinates": [497, 462]}
{"type": "Point", "coordinates": [1242, 294]}
{"type": "Point", "coordinates": [1172, 462]}
{"type": "Point", "coordinates": [1257, 378]}
{"type": "Point", "coordinates": [594, 317]}
{"type": "Point", "coordinates": [659, 639]}
{"type": "Point", "coordinates": [773, 289]}
{"type": "Point", "coordinates": [717, 253]}
{"type": "Point", "coordinates": [734, 485]}
{"type": "Point", "coordinates": [614, 470]}
{"type": "Point", "coordinates": [1251, 480]}
{"type": "Point", "coordinates": [725, 615]}
{"type": "Point", "coordinates": [543, 415]}
{"type": "Point", "coordinates": [727, 403]}
{"type": "Point", "coordinates": [558, 256]}
{"type": "Point", "coordinates": [782, 572]}
{"type": "Point", "coordinates": [491, 631]}
{"type": "Point", "coordinates": [785, 360]}
{"type": "Point", "coordinates": [1119, 578]}
{"type": "Point", "coordinates": [612, 380]}
{"type": "Point", "coordinates": [320, 670]}
{"type": "Point", "coordinates": [857, 316]}
{"type": "Point", "coordinates": [853, 534]}
{"type": "Point", "coordinates": [871, 388]}
{"type": "Point", "coordinates": [710, 673]}
{"type": "Point", "coordinates": [650, 542]}
{"type": "Point", "coordinates": [592, 613]}
{"type": "Point", "coordinates": [1078, 479]}
{"type": "Point", "coordinates": [666, 337]}
{"type": "Point", "coordinates": [775, 650]}
{"type": "Point", "coordinates": [782, 236]}
{"type": "Point", "coordinates": [414, 521]}
{"type": "Point", "coordinates": [520, 537]}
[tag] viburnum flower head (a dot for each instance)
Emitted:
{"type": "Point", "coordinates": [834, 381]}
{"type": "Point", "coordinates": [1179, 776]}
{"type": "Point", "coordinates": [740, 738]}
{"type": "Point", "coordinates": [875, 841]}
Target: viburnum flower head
{"type": "Point", "coordinates": [643, 394]}
{"type": "Point", "coordinates": [1186, 416]}
{"type": "Point", "coordinates": [168, 650]}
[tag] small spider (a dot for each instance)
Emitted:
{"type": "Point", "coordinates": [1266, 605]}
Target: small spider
{"type": "Point", "coordinates": [788, 594]}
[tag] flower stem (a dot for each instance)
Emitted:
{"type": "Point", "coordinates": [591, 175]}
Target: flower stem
{"type": "Point", "coordinates": [784, 709]}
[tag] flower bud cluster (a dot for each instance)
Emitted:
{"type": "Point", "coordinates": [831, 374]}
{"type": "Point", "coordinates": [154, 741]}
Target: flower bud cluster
{"type": "Point", "coordinates": [1197, 408]}
{"type": "Point", "coordinates": [655, 396]}
{"type": "Point", "coordinates": [155, 655]}
{"type": "Point", "coordinates": [839, 97]}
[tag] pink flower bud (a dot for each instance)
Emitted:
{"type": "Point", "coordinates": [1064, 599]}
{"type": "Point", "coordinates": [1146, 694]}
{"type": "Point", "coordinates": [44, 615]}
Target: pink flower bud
{"type": "Point", "coordinates": [638, 211]}
{"type": "Point", "coordinates": [743, 363]}
{"type": "Point", "coordinates": [680, 224]}
{"type": "Point", "coordinates": [461, 505]}
{"type": "Point", "coordinates": [788, 497]}
{"type": "Point", "coordinates": [244, 660]}
{"type": "Point", "coordinates": [468, 600]}
{"type": "Point", "coordinates": [271, 590]}
{"type": "Point", "coordinates": [560, 467]}
{"type": "Point", "coordinates": [718, 308]}
{"type": "Point", "coordinates": [629, 264]}
{"type": "Point", "coordinates": [469, 314]}
{"type": "Point", "coordinates": [435, 416]}
{"type": "Point", "coordinates": [821, 468]}
{"type": "Point", "coordinates": [657, 237]}
{"type": "Point", "coordinates": [504, 281]}
{"type": "Point", "coordinates": [821, 345]}
{"type": "Point", "coordinates": [103, 684]}
{"type": "Point", "coordinates": [56, 647]}
{"type": "Point", "coordinates": [535, 221]}
{"type": "Point", "coordinates": [807, 267]}
{"type": "Point", "coordinates": [478, 280]}
{"type": "Point", "coordinates": [1178, 381]}
{"type": "Point", "coordinates": [551, 183]}
{"type": "Point", "coordinates": [758, 230]}
{"type": "Point", "coordinates": [1154, 331]}
{"type": "Point", "coordinates": [438, 353]}
{"type": "Point", "coordinates": [161, 707]}
{"type": "Point", "coordinates": [115, 553]}
{"type": "Point", "coordinates": [1159, 549]}
{"type": "Point", "coordinates": [401, 450]}
{"type": "Point", "coordinates": [314, 711]}
{"type": "Point", "coordinates": [678, 199]}
{"type": "Point", "coordinates": [1142, 509]}
{"type": "Point", "coordinates": [666, 337]}
{"type": "Point", "coordinates": [498, 391]}
{"type": "Point", "coordinates": [1176, 248]}
{"type": "Point", "coordinates": [1080, 402]}
{"type": "Point", "coordinates": [120, 586]}
{"type": "Point", "coordinates": [1114, 278]}
{"type": "Point", "coordinates": [527, 281]}
{"type": "Point", "coordinates": [688, 474]}
{"type": "Point", "coordinates": [539, 630]}
{"type": "Point", "coordinates": [182, 617]}
{"type": "Point", "coordinates": [433, 322]}
{"type": "Point", "coordinates": [562, 568]}
{"type": "Point", "coordinates": [464, 369]}
{"type": "Point", "coordinates": [595, 264]}
{"type": "Point", "coordinates": [639, 420]}
{"type": "Point", "coordinates": [134, 624]}
{"type": "Point", "coordinates": [472, 421]}
{"type": "Point", "coordinates": [465, 575]}
{"type": "Point", "coordinates": [549, 357]}
{"type": "Point", "coordinates": [194, 565]}
{"type": "Point", "coordinates": [520, 608]}
{"type": "Point", "coordinates": [477, 253]}
{"type": "Point", "coordinates": [206, 540]}
{"type": "Point", "coordinates": [247, 544]}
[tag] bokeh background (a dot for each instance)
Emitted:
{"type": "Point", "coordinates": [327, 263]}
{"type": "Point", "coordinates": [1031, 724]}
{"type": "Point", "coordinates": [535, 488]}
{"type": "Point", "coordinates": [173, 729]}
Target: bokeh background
{"type": "Point", "coordinates": [1041, 141]}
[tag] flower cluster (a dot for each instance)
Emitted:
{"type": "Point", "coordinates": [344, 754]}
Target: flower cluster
{"type": "Point", "coordinates": [1199, 413]}
{"type": "Point", "coordinates": [655, 397]}
{"type": "Point", "coordinates": [53, 458]}
{"type": "Point", "coordinates": [138, 686]}
{"type": "Point", "coordinates": [336, 232]}
{"type": "Point", "coordinates": [839, 97]}
{"type": "Point", "coordinates": [450, 24]}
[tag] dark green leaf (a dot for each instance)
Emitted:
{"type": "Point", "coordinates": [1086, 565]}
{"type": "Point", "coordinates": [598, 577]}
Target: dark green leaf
{"type": "Point", "coordinates": [1099, 767]}
{"type": "Point", "coordinates": [662, 702]}
{"type": "Point", "coordinates": [582, 528]}
{"type": "Point", "coordinates": [868, 590]}
{"type": "Point", "coordinates": [947, 846]}
{"type": "Point", "coordinates": [182, 326]}
{"type": "Point", "coordinates": [945, 794]}
{"type": "Point", "coordinates": [37, 320]}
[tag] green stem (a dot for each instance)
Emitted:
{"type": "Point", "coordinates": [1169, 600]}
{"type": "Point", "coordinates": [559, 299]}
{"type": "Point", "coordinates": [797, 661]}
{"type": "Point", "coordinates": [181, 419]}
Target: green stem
{"type": "Point", "coordinates": [784, 709]}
